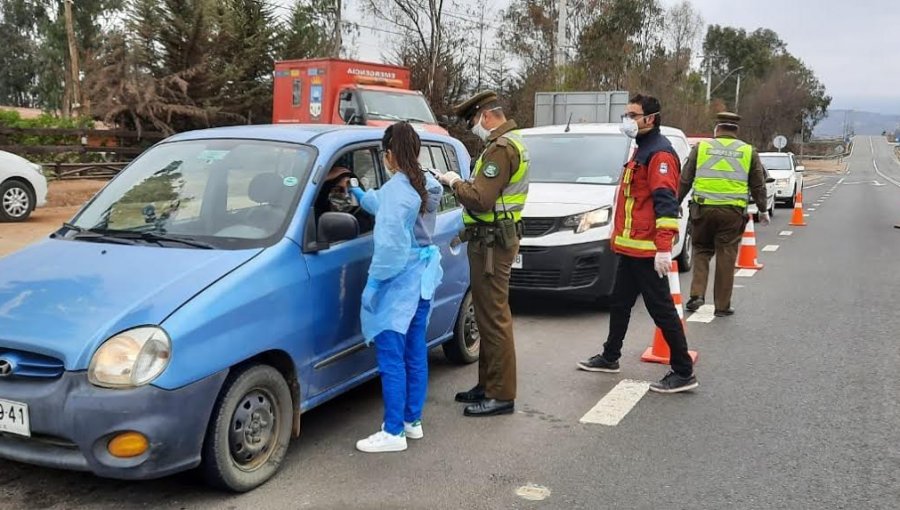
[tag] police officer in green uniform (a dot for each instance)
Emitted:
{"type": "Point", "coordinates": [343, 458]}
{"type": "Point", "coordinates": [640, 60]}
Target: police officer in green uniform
{"type": "Point", "coordinates": [724, 172]}
{"type": "Point", "coordinates": [493, 202]}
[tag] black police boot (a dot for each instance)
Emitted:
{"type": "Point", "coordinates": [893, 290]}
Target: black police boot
{"type": "Point", "coordinates": [695, 303]}
{"type": "Point", "coordinates": [490, 407]}
{"type": "Point", "coordinates": [472, 396]}
{"type": "Point", "coordinates": [728, 312]}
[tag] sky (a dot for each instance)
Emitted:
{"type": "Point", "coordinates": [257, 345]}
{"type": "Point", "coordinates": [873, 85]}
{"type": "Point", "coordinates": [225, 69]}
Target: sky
{"type": "Point", "coordinates": [853, 47]}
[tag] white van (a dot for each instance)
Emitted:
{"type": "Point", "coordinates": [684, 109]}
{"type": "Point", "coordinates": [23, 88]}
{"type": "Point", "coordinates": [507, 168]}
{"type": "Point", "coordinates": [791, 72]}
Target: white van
{"type": "Point", "coordinates": [574, 175]}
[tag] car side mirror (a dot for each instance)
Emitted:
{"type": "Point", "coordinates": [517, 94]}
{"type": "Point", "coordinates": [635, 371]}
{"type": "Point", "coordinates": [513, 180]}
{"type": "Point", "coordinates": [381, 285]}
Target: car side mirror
{"type": "Point", "coordinates": [443, 121]}
{"type": "Point", "coordinates": [800, 168]}
{"type": "Point", "coordinates": [335, 227]}
{"type": "Point", "coordinates": [351, 117]}
{"type": "Point", "coordinates": [770, 180]}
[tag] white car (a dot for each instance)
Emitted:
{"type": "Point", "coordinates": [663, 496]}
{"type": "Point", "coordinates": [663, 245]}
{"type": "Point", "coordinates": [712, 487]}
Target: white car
{"type": "Point", "coordinates": [23, 187]}
{"type": "Point", "coordinates": [568, 216]}
{"type": "Point", "coordinates": [788, 175]}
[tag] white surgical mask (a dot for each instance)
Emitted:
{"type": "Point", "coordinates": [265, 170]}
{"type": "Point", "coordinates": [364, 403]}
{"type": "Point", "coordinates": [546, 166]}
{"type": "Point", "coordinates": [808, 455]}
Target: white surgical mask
{"type": "Point", "coordinates": [629, 127]}
{"type": "Point", "coordinates": [481, 131]}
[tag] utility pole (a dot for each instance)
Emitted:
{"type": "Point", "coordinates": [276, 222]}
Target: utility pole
{"type": "Point", "coordinates": [708, 81]}
{"type": "Point", "coordinates": [737, 94]}
{"type": "Point", "coordinates": [73, 57]}
{"type": "Point", "coordinates": [480, 46]}
{"type": "Point", "coordinates": [561, 41]}
{"type": "Point", "coordinates": [337, 39]}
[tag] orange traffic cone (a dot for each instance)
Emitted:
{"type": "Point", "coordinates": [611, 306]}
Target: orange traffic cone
{"type": "Point", "coordinates": [659, 351]}
{"type": "Point", "coordinates": [747, 255]}
{"type": "Point", "coordinates": [797, 219]}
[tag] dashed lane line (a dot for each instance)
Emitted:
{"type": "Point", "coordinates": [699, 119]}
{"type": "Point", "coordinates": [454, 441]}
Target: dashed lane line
{"type": "Point", "coordinates": [615, 405]}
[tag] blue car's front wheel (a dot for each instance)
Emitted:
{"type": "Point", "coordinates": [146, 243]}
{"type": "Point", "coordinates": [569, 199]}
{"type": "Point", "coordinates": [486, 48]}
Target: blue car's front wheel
{"type": "Point", "coordinates": [250, 429]}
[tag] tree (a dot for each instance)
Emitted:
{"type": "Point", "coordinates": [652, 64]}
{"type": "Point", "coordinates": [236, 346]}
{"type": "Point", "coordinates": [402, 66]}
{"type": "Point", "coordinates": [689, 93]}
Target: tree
{"type": "Point", "coordinates": [307, 32]}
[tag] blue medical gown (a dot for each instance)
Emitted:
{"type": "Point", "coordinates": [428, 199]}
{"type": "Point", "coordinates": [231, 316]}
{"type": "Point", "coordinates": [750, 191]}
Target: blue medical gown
{"type": "Point", "coordinates": [406, 266]}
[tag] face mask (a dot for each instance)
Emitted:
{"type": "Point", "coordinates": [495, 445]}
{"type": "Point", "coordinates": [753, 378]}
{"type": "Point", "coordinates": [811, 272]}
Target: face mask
{"type": "Point", "coordinates": [481, 131]}
{"type": "Point", "coordinates": [341, 202]}
{"type": "Point", "coordinates": [629, 127]}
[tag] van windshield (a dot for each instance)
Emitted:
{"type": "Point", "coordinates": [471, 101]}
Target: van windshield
{"type": "Point", "coordinates": [776, 162]}
{"type": "Point", "coordinates": [385, 105]}
{"type": "Point", "coordinates": [229, 194]}
{"type": "Point", "coordinates": [577, 157]}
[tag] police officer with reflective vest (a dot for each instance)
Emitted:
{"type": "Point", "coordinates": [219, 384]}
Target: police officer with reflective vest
{"type": "Point", "coordinates": [646, 223]}
{"type": "Point", "coordinates": [493, 201]}
{"type": "Point", "coordinates": [724, 172]}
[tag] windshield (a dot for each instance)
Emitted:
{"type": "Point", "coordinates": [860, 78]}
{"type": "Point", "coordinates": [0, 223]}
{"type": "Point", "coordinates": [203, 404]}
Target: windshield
{"type": "Point", "coordinates": [577, 158]}
{"type": "Point", "coordinates": [227, 193]}
{"type": "Point", "coordinates": [776, 162]}
{"type": "Point", "coordinates": [384, 105]}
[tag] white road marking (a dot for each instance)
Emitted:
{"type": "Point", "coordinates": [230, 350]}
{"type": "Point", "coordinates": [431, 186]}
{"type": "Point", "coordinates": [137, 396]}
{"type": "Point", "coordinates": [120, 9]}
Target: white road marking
{"type": "Point", "coordinates": [738, 286]}
{"type": "Point", "coordinates": [811, 209]}
{"type": "Point", "coordinates": [616, 404]}
{"type": "Point", "coordinates": [841, 181]}
{"type": "Point", "coordinates": [532, 492]}
{"type": "Point", "coordinates": [811, 186]}
{"type": "Point", "coordinates": [786, 233]}
{"type": "Point", "coordinates": [745, 273]}
{"type": "Point", "coordinates": [806, 215]}
{"type": "Point", "coordinates": [770, 247]}
{"type": "Point", "coordinates": [705, 314]}
{"type": "Point", "coordinates": [889, 179]}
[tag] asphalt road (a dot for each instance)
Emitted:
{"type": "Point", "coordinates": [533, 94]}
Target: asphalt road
{"type": "Point", "coordinates": [797, 408]}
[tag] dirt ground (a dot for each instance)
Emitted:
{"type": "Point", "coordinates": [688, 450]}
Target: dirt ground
{"type": "Point", "coordinates": [824, 165]}
{"type": "Point", "coordinates": [63, 200]}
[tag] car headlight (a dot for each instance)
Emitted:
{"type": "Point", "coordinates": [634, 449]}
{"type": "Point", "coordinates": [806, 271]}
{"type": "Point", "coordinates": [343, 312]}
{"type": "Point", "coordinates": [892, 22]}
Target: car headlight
{"type": "Point", "coordinates": [782, 182]}
{"type": "Point", "coordinates": [38, 168]}
{"type": "Point", "coordinates": [131, 358]}
{"type": "Point", "coordinates": [586, 221]}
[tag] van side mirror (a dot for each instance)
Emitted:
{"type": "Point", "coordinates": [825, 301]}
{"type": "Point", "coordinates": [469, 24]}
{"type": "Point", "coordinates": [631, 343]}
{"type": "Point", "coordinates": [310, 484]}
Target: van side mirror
{"type": "Point", "coordinates": [800, 168]}
{"type": "Point", "coordinates": [335, 227]}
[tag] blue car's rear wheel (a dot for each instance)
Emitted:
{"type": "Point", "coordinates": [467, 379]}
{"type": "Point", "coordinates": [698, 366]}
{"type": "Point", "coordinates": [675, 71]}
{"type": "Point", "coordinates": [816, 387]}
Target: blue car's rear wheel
{"type": "Point", "coordinates": [466, 342]}
{"type": "Point", "coordinates": [249, 430]}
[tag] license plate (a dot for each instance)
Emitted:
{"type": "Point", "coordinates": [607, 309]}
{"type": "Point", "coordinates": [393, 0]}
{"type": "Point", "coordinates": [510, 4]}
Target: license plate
{"type": "Point", "coordinates": [14, 418]}
{"type": "Point", "coordinates": [517, 264]}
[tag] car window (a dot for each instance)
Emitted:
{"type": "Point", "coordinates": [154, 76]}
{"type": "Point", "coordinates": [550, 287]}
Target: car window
{"type": "Point", "coordinates": [425, 157]}
{"type": "Point", "coordinates": [582, 158]}
{"type": "Point", "coordinates": [439, 154]}
{"type": "Point", "coordinates": [332, 195]}
{"type": "Point", "coordinates": [230, 193]}
{"type": "Point", "coordinates": [681, 147]}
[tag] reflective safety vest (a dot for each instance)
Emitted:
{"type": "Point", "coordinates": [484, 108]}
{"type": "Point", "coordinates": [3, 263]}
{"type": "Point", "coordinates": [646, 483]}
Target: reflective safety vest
{"type": "Point", "coordinates": [723, 169]}
{"type": "Point", "coordinates": [512, 199]}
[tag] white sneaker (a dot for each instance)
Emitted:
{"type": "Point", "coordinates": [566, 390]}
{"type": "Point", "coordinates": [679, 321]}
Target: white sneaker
{"type": "Point", "coordinates": [413, 430]}
{"type": "Point", "coordinates": [381, 442]}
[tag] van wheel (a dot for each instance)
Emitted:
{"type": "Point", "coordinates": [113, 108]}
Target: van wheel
{"type": "Point", "coordinates": [16, 201]}
{"type": "Point", "coordinates": [250, 429]}
{"type": "Point", "coordinates": [463, 348]}
{"type": "Point", "coordinates": [686, 257]}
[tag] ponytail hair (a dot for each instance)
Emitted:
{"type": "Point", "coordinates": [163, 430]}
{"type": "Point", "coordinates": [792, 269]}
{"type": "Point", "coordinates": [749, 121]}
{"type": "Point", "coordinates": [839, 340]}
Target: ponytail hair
{"type": "Point", "coordinates": [404, 143]}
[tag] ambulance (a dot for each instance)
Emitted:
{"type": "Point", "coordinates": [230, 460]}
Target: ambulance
{"type": "Point", "coordinates": [334, 91]}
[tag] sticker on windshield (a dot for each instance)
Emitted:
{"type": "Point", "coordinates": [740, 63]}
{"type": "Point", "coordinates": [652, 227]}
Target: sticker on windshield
{"type": "Point", "coordinates": [210, 155]}
{"type": "Point", "coordinates": [290, 182]}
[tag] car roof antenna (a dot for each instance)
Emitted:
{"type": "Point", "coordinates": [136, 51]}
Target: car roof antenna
{"type": "Point", "coordinates": [569, 124]}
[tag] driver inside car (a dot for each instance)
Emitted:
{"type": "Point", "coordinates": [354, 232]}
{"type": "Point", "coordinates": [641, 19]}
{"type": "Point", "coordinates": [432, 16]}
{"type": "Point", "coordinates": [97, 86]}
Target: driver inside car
{"type": "Point", "coordinates": [335, 197]}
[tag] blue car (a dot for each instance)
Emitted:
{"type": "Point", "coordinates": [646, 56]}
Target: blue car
{"type": "Point", "coordinates": [202, 301]}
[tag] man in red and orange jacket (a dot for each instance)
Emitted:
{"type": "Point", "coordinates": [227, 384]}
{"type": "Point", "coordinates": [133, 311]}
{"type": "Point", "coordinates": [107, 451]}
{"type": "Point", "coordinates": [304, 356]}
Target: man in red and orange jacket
{"type": "Point", "coordinates": [646, 223]}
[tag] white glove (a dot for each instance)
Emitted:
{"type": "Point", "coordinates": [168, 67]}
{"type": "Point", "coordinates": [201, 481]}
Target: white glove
{"type": "Point", "coordinates": [450, 178]}
{"type": "Point", "coordinates": [662, 263]}
{"type": "Point", "coordinates": [764, 219]}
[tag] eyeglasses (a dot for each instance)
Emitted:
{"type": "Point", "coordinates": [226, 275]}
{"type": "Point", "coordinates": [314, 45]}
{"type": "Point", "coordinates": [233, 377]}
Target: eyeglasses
{"type": "Point", "coordinates": [635, 116]}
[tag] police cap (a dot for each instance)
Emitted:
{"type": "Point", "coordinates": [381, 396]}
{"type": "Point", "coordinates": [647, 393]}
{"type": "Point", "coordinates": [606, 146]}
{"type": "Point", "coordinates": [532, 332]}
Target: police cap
{"type": "Point", "coordinates": [468, 109]}
{"type": "Point", "coordinates": [728, 119]}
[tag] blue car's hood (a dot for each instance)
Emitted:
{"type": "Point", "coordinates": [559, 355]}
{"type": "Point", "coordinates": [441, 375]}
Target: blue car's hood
{"type": "Point", "coordinates": [63, 298]}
